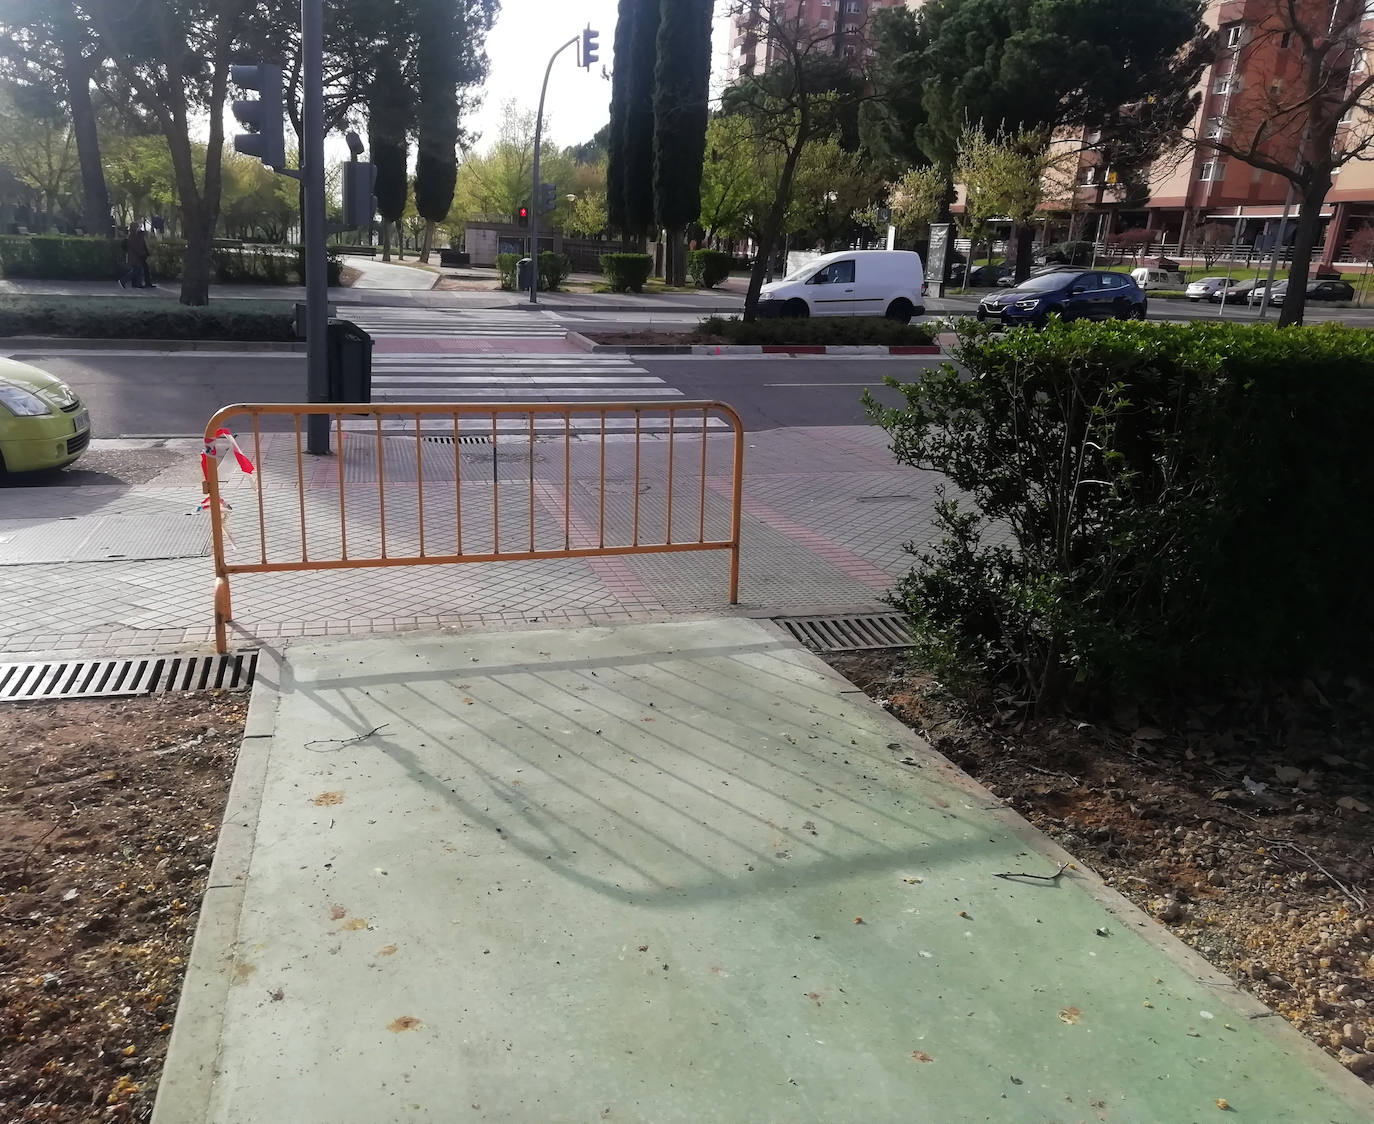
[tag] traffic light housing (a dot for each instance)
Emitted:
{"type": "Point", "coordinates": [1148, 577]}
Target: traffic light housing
{"type": "Point", "coordinates": [523, 215]}
{"type": "Point", "coordinates": [548, 198]}
{"type": "Point", "coordinates": [267, 140]}
{"type": "Point", "coordinates": [359, 182]}
{"type": "Point", "coordinates": [590, 46]}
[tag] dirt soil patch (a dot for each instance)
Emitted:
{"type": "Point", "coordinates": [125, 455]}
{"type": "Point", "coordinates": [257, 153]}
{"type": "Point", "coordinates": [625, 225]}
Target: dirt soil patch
{"type": "Point", "coordinates": [463, 285]}
{"type": "Point", "coordinates": [1245, 826]}
{"type": "Point", "coordinates": [109, 812]}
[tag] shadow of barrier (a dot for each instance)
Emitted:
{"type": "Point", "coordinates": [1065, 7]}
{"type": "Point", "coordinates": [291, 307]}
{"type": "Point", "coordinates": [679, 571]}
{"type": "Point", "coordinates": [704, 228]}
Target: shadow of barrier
{"type": "Point", "coordinates": [419, 484]}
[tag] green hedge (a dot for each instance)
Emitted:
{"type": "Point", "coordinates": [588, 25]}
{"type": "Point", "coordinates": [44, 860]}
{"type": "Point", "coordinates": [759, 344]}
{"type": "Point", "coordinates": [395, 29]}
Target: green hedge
{"type": "Point", "coordinates": [62, 258]}
{"type": "Point", "coordinates": [1069, 253]}
{"type": "Point", "coordinates": [156, 319]}
{"type": "Point", "coordinates": [838, 331]}
{"type": "Point", "coordinates": [553, 269]}
{"type": "Point", "coordinates": [708, 268]}
{"type": "Point", "coordinates": [1179, 506]}
{"type": "Point", "coordinates": [508, 265]}
{"type": "Point", "coordinates": [626, 273]}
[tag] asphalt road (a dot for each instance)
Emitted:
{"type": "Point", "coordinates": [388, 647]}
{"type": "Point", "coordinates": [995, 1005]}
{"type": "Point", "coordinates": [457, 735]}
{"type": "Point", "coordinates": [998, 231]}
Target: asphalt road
{"type": "Point", "coordinates": [148, 394]}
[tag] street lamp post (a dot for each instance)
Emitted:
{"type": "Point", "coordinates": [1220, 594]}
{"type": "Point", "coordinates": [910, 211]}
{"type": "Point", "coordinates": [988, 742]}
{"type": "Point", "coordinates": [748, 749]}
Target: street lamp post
{"type": "Point", "coordinates": [588, 39]}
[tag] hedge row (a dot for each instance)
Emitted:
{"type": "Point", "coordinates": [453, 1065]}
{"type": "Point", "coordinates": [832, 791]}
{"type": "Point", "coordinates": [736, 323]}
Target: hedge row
{"type": "Point", "coordinates": [626, 273]}
{"type": "Point", "coordinates": [708, 268]}
{"type": "Point", "coordinates": [152, 320]}
{"type": "Point", "coordinates": [1179, 506]}
{"type": "Point", "coordinates": [62, 258]}
{"type": "Point", "coordinates": [836, 331]}
{"type": "Point", "coordinates": [553, 270]}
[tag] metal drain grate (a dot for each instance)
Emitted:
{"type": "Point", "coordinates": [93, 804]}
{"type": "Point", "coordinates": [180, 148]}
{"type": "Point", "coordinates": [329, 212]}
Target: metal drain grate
{"type": "Point", "coordinates": [463, 439]}
{"type": "Point", "coordinates": [864, 633]}
{"type": "Point", "coordinates": [50, 680]}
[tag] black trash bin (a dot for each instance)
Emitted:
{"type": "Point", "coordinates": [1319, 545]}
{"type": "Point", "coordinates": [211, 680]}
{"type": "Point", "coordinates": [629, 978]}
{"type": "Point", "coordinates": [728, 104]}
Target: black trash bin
{"type": "Point", "coordinates": [350, 362]}
{"type": "Point", "coordinates": [523, 272]}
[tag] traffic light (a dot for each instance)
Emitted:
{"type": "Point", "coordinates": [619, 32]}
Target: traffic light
{"type": "Point", "coordinates": [590, 47]}
{"type": "Point", "coordinates": [266, 141]}
{"type": "Point", "coordinates": [359, 181]}
{"type": "Point", "coordinates": [548, 198]}
{"type": "Point", "coordinates": [524, 214]}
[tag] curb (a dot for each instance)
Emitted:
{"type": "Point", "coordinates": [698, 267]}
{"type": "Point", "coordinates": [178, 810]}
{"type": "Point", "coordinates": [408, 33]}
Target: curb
{"type": "Point", "coordinates": [189, 1071]}
{"type": "Point", "coordinates": [577, 339]}
{"type": "Point", "coordinates": [69, 343]}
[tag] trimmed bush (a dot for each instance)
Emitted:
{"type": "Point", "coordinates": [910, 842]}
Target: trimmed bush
{"type": "Point", "coordinates": [838, 331]}
{"type": "Point", "coordinates": [708, 268]}
{"type": "Point", "coordinates": [626, 273]}
{"type": "Point", "coordinates": [154, 319]}
{"type": "Point", "coordinates": [553, 269]}
{"type": "Point", "coordinates": [61, 258]}
{"type": "Point", "coordinates": [508, 266]}
{"type": "Point", "coordinates": [1145, 506]}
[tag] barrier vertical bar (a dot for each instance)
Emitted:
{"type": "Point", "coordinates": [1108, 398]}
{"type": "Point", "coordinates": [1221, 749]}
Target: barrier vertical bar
{"type": "Point", "coordinates": [531, 481]}
{"type": "Point", "coordinates": [381, 483]}
{"type": "Point", "coordinates": [458, 479]}
{"type": "Point", "coordinates": [257, 464]}
{"type": "Point", "coordinates": [420, 479]}
{"type": "Point", "coordinates": [343, 514]}
{"type": "Point", "coordinates": [300, 485]}
{"type": "Point", "coordinates": [601, 529]}
{"type": "Point", "coordinates": [737, 502]}
{"type": "Point", "coordinates": [672, 425]}
{"type": "Point", "coordinates": [495, 493]}
{"type": "Point", "coordinates": [567, 480]}
{"type": "Point", "coordinates": [223, 605]}
{"type": "Point", "coordinates": [701, 525]}
{"type": "Point", "coordinates": [636, 508]}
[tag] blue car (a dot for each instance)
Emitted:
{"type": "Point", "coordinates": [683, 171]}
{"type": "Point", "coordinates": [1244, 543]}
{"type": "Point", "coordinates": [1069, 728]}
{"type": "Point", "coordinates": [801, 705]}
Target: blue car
{"type": "Point", "coordinates": [1074, 294]}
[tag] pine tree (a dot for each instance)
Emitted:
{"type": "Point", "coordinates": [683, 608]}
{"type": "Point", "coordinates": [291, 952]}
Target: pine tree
{"type": "Point", "coordinates": [681, 88]}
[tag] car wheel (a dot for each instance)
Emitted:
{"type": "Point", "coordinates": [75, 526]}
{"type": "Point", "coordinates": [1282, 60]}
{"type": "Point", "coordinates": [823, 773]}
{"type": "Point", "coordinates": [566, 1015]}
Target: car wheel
{"type": "Point", "coordinates": [1137, 312]}
{"type": "Point", "coordinates": [981, 314]}
{"type": "Point", "coordinates": [900, 310]}
{"type": "Point", "coordinates": [796, 307]}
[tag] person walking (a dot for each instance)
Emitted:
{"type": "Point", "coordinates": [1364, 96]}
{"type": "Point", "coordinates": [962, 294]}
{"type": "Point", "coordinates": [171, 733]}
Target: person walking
{"type": "Point", "coordinates": [136, 253]}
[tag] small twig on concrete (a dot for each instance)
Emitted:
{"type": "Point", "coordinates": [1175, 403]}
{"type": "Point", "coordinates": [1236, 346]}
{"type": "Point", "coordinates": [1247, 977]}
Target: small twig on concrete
{"type": "Point", "coordinates": [341, 742]}
{"type": "Point", "coordinates": [24, 870]}
{"type": "Point", "coordinates": [1262, 1015]}
{"type": "Point", "coordinates": [1354, 895]}
{"type": "Point", "coordinates": [1038, 877]}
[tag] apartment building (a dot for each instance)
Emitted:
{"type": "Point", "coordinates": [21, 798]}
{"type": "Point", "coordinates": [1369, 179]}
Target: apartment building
{"type": "Point", "coordinates": [837, 25]}
{"type": "Point", "coordinates": [1257, 62]}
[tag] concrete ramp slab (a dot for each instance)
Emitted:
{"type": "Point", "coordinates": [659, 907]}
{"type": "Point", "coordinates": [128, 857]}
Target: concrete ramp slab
{"type": "Point", "coordinates": [671, 872]}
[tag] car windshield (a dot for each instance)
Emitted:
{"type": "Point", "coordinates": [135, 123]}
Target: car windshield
{"type": "Point", "coordinates": [1211, 281]}
{"type": "Point", "coordinates": [1048, 281]}
{"type": "Point", "coordinates": [803, 272]}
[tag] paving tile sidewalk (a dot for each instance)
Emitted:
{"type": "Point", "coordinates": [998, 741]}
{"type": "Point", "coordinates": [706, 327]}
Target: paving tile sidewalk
{"type": "Point", "coordinates": [826, 513]}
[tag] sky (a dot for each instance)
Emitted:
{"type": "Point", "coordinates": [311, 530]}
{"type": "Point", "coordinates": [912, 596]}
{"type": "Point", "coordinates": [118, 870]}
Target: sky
{"type": "Point", "coordinates": [527, 32]}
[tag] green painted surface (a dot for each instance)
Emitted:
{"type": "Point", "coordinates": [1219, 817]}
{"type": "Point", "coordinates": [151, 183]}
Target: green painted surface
{"type": "Point", "coordinates": [618, 874]}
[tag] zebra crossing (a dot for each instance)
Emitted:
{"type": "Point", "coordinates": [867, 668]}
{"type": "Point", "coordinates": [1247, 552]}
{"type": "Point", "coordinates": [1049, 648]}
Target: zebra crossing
{"type": "Point", "coordinates": [532, 379]}
{"type": "Point", "coordinates": [454, 323]}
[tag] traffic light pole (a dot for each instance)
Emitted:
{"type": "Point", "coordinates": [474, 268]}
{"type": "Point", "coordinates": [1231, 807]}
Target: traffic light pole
{"type": "Point", "coordinates": [316, 276]}
{"type": "Point", "coordinates": [537, 196]}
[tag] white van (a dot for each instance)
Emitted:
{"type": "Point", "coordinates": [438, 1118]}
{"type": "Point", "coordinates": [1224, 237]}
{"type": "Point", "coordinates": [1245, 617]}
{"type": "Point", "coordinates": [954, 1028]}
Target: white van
{"type": "Point", "coordinates": [850, 283]}
{"type": "Point", "coordinates": [1158, 278]}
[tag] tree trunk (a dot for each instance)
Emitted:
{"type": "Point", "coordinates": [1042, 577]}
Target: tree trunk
{"type": "Point", "coordinates": [386, 240]}
{"type": "Point", "coordinates": [428, 242]}
{"type": "Point", "coordinates": [1025, 235]}
{"type": "Point", "coordinates": [95, 196]}
{"type": "Point", "coordinates": [772, 227]}
{"type": "Point", "coordinates": [400, 241]}
{"type": "Point", "coordinates": [1304, 242]}
{"type": "Point", "coordinates": [195, 274]}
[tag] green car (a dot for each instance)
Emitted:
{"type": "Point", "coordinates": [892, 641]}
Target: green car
{"type": "Point", "coordinates": [42, 422]}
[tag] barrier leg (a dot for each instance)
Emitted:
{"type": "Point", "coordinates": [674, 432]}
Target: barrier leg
{"type": "Point", "coordinates": [224, 613]}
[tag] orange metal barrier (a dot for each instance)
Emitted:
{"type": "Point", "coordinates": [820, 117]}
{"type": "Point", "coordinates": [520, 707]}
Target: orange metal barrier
{"type": "Point", "coordinates": [359, 434]}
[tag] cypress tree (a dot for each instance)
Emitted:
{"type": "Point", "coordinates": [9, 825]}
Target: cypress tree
{"type": "Point", "coordinates": [620, 76]}
{"type": "Point", "coordinates": [388, 113]}
{"type": "Point", "coordinates": [638, 147]}
{"type": "Point", "coordinates": [681, 89]}
{"type": "Point", "coordinates": [436, 165]}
